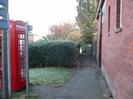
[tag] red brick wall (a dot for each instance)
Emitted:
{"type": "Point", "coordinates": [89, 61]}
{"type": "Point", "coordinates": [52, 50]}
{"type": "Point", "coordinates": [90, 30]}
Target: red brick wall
{"type": "Point", "coordinates": [117, 51]}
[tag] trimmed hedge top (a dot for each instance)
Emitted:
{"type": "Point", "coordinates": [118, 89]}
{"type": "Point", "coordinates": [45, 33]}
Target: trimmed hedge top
{"type": "Point", "coordinates": [52, 54]}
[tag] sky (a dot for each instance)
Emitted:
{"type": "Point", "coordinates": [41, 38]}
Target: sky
{"type": "Point", "coordinates": [43, 13]}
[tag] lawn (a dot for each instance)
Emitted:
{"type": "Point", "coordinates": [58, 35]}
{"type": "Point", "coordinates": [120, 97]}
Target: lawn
{"type": "Point", "coordinates": [50, 75]}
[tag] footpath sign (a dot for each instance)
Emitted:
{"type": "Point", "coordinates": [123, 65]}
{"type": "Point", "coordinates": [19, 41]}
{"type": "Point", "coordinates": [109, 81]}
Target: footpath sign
{"type": "Point", "coordinates": [3, 14]}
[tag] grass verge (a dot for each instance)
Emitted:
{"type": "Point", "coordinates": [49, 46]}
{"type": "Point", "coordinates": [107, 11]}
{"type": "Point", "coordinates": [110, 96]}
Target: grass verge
{"type": "Point", "coordinates": [55, 76]}
{"type": "Point", "coordinates": [21, 94]}
{"type": "Point", "coordinates": [50, 75]}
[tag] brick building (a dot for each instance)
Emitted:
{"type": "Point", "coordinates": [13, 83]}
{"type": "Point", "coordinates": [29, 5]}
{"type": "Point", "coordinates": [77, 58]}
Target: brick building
{"type": "Point", "coordinates": [115, 45]}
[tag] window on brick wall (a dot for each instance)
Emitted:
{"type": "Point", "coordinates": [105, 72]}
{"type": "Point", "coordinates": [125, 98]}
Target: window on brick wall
{"type": "Point", "coordinates": [118, 14]}
{"type": "Point", "coordinates": [104, 12]}
{"type": "Point", "coordinates": [109, 19]}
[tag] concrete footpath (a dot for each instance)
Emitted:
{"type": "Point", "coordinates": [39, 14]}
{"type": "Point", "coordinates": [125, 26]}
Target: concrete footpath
{"type": "Point", "coordinates": [87, 83]}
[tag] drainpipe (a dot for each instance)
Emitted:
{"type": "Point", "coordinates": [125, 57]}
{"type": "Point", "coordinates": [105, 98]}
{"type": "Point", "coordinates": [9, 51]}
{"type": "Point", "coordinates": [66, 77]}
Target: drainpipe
{"type": "Point", "coordinates": [100, 39]}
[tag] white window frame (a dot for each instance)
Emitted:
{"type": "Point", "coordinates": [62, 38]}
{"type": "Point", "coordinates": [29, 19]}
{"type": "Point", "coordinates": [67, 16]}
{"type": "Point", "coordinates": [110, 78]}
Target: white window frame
{"type": "Point", "coordinates": [121, 7]}
{"type": "Point", "coordinates": [118, 29]}
{"type": "Point", "coordinates": [104, 12]}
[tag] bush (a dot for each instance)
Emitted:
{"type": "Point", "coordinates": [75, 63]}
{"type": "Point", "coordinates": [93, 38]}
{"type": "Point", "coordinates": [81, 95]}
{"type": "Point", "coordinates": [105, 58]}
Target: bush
{"type": "Point", "coordinates": [52, 54]}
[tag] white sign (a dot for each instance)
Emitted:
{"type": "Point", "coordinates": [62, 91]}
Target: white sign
{"type": "Point", "coordinates": [20, 27]}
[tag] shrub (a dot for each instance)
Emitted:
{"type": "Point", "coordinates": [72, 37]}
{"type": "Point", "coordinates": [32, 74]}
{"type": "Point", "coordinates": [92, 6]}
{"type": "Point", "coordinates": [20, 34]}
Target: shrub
{"type": "Point", "coordinates": [52, 54]}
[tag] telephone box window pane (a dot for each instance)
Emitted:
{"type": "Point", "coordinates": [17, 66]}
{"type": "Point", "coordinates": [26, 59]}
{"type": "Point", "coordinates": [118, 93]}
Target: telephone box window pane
{"type": "Point", "coordinates": [22, 55]}
{"type": "Point", "coordinates": [21, 42]}
{"type": "Point", "coordinates": [21, 48]}
{"type": "Point", "coordinates": [20, 36]}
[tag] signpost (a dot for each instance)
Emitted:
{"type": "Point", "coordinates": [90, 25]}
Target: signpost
{"type": "Point", "coordinates": [28, 28]}
{"type": "Point", "coordinates": [27, 63]}
{"type": "Point", "coordinates": [6, 67]}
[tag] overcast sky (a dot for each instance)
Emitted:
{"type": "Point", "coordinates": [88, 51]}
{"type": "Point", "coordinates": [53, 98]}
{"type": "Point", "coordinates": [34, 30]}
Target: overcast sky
{"type": "Point", "coordinates": [43, 13]}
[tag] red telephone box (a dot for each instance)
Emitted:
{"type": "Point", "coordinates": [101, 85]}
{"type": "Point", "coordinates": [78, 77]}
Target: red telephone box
{"type": "Point", "coordinates": [18, 55]}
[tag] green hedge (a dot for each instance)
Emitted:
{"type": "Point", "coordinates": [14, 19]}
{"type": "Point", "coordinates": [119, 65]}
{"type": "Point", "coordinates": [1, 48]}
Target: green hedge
{"type": "Point", "coordinates": [57, 53]}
